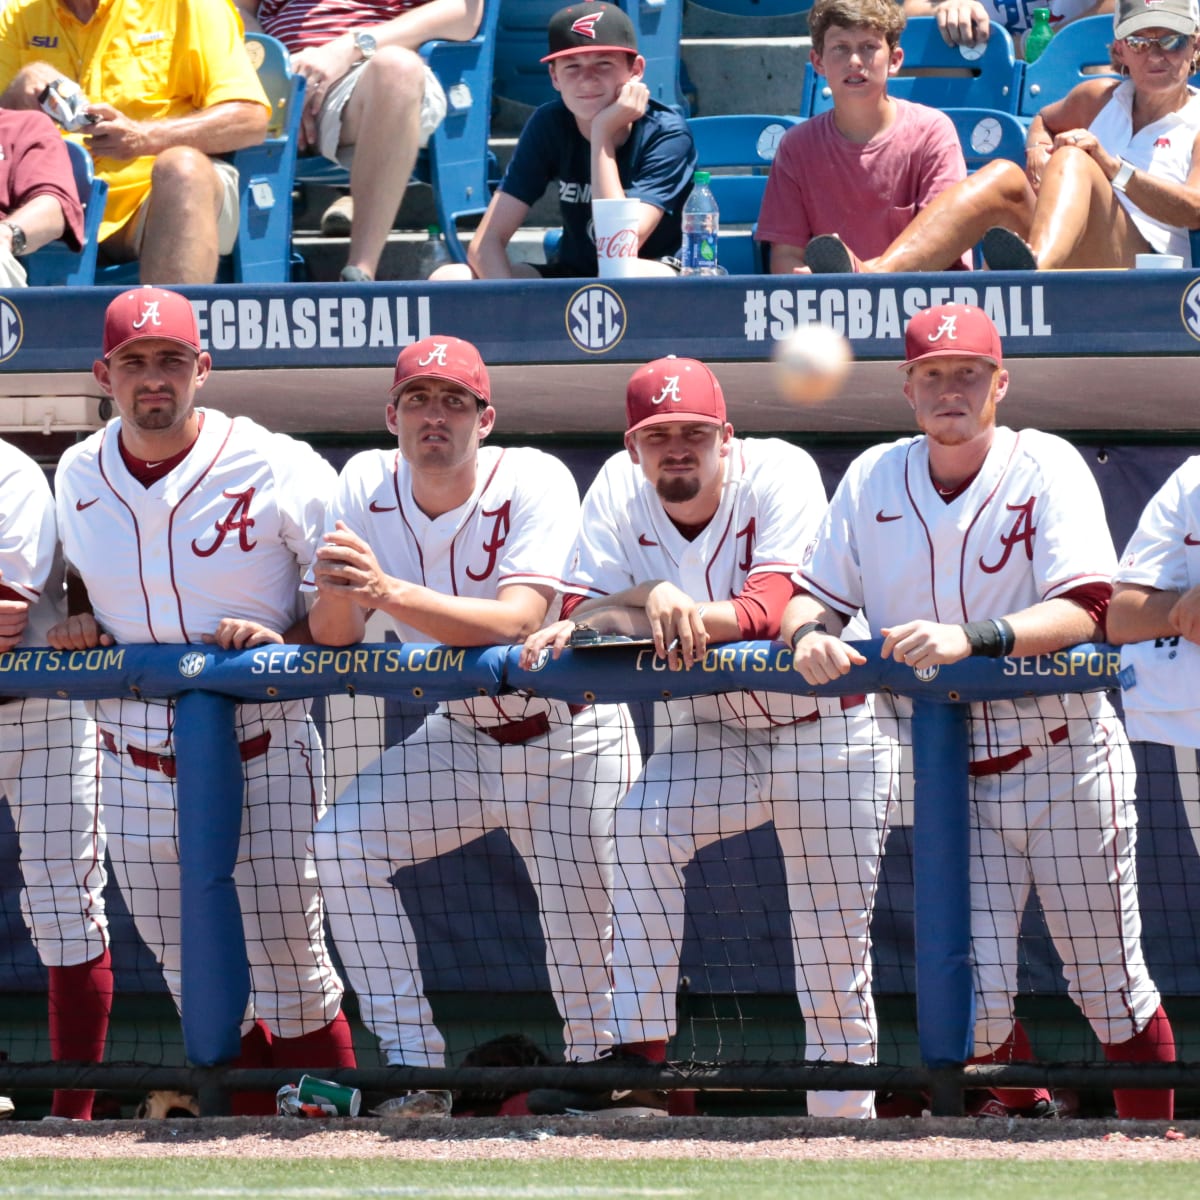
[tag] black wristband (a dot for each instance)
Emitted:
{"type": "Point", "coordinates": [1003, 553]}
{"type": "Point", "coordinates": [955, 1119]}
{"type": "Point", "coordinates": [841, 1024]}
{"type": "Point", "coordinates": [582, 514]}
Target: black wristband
{"type": "Point", "coordinates": [990, 639]}
{"type": "Point", "coordinates": [805, 630]}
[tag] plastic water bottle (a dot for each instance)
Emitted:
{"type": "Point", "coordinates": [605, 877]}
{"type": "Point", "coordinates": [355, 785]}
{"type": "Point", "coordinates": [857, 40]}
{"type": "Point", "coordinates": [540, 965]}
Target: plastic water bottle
{"type": "Point", "coordinates": [434, 252]}
{"type": "Point", "coordinates": [701, 228]}
{"type": "Point", "coordinates": [1039, 35]}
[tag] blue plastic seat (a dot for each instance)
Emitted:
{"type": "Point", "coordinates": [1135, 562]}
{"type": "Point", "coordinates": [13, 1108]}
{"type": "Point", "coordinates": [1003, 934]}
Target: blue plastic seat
{"type": "Point", "coordinates": [986, 134]}
{"type": "Point", "coordinates": [1077, 52]}
{"type": "Point", "coordinates": [521, 45]}
{"type": "Point", "coordinates": [457, 163]}
{"type": "Point", "coordinates": [756, 8]}
{"type": "Point", "coordinates": [738, 150]}
{"type": "Point", "coordinates": [988, 76]}
{"type": "Point", "coordinates": [56, 264]}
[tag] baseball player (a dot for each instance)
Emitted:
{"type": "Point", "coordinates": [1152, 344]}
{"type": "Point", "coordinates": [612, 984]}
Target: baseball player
{"type": "Point", "coordinates": [49, 773]}
{"type": "Point", "coordinates": [185, 525]}
{"type": "Point", "coordinates": [690, 536]}
{"type": "Point", "coordinates": [1156, 607]}
{"type": "Point", "coordinates": [466, 544]}
{"type": "Point", "coordinates": [974, 539]}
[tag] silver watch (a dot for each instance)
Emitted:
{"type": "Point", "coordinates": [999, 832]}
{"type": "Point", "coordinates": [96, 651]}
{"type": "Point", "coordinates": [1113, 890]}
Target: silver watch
{"type": "Point", "coordinates": [366, 44]}
{"type": "Point", "coordinates": [18, 238]}
{"type": "Point", "coordinates": [1120, 180]}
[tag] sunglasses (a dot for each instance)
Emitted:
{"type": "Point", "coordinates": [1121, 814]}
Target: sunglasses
{"type": "Point", "coordinates": [1169, 43]}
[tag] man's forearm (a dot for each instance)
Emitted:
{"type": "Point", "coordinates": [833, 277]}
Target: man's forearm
{"type": "Point", "coordinates": [217, 130]}
{"type": "Point", "coordinates": [41, 220]}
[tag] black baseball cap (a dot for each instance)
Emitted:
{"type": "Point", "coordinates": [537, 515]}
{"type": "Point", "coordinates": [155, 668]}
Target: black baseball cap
{"type": "Point", "coordinates": [590, 28]}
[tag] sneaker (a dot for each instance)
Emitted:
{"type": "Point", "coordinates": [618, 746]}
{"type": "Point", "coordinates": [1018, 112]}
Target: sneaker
{"type": "Point", "coordinates": [992, 1108]}
{"type": "Point", "coordinates": [356, 275]}
{"type": "Point", "coordinates": [632, 1102]}
{"type": "Point", "coordinates": [337, 219]}
{"type": "Point", "coordinates": [1003, 250]}
{"type": "Point", "coordinates": [7, 1107]}
{"type": "Point", "coordinates": [827, 254]}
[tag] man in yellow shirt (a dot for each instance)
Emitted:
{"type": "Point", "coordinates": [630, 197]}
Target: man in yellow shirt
{"type": "Point", "coordinates": [170, 86]}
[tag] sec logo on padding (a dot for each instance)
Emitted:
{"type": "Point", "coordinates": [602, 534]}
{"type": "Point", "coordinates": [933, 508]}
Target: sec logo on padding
{"type": "Point", "coordinates": [12, 329]}
{"type": "Point", "coordinates": [1189, 309]}
{"type": "Point", "coordinates": [596, 318]}
{"type": "Point", "coordinates": [192, 663]}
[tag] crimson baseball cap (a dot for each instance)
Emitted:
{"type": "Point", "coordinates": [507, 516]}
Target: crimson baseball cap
{"type": "Point", "coordinates": [149, 312]}
{"type": "Point", "coordinates": [673, 389]}
{"type": "Point", "coordinates": [590, 28]}
{"type": "Point", "coordinates": [441, 357]}
{"type": "Point", "coordinates": [951, 330]}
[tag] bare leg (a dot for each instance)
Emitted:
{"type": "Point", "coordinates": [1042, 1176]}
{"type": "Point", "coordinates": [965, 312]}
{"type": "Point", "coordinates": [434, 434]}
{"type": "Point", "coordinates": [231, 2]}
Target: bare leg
{"type": "Point", "coordinates": [382, 121]}
{"type": "Point", "coordinates": [179, 244]}
{"type": "Point", "coordinates": [997, 194]}
{"type": "Point", "coordinates": [1080, 222]}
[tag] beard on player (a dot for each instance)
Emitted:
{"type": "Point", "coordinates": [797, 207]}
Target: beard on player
{"type": "Point", "coordinates": [678, 489]}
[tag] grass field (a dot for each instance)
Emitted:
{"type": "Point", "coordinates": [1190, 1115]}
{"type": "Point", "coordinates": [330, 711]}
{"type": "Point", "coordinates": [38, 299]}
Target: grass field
{"type": "Point", "coordinates": [729, 1179]}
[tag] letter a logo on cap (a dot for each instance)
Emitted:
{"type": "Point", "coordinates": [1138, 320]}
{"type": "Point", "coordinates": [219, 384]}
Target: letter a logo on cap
{"type": "Point", "coordinates": [150, 315]}
{"type": "Point", "coordinates": [670, 391]}
{"type": "Point", "coordinates": [586, 26]}
{"type": "Point", "coordinates": [948, 328]}
{"type": "Point", "coordinates": [436, 355]}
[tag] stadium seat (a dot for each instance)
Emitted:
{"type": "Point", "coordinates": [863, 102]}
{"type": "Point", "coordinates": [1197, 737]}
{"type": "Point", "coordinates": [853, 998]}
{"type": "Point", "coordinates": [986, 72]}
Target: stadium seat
{"type": "Point", "coordinates": [456, 163]}
{"type": "Point", "coordinates": [939, 75]}
{"type": "Point", "coordinates": [756, 8]}
{"type": "Point", "coordinates": [986, 134]}
{"type": "Point", "coordinates": [263, 251]}
{"type": "Point", "coordinates": [1077, 52]}
{"type": "Point", "coordinates": [738, 150]}
{"type": "Point", "coordinates": [521, 44]}
{"type": "Point", "coordinates": [57, 264]}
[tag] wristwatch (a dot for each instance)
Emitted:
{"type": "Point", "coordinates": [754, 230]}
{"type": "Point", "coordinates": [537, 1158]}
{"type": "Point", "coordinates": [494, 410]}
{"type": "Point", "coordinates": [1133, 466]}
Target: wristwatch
{"type": "Point", "coordinates": [1120, 180]}
{"type": "Point", "coordinates": [366, 44]}
{"type": "Point", "coordinates": [18, 238]}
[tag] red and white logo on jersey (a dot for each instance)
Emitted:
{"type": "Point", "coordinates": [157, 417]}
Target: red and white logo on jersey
{"type": "Point", "coordinates": [238, 520]}
{"type": "Point", "coordinates": [670, 392]}
{"type": "Point", "coordinates": [1022, 533]}
{"type": "Point", "coordinates": [492, 547]}
{"type": "Point", "coordinates": [586, 26]}
{"type": "Point", "coordinates": [947, 329]}
{"type": "Point", "coordinates": [437, 354]}
{"type": "Point", "coordinates": [150, 315]}
{"type": "Point", "coordinates": [1162, 143]}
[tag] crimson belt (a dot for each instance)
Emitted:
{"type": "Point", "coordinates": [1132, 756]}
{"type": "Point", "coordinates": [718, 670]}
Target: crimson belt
{"type": "Point", "coordinates": [1006, 762]}
{"type": "Point", "coordinates": [254, 747]}
{"type": "Point", "coordinates": [525, 730]}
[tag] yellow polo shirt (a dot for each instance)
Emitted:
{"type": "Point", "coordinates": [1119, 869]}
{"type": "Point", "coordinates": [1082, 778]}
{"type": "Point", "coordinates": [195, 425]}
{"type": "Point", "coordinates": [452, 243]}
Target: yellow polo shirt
{"type": "Point", "coordinates": [151, 59]}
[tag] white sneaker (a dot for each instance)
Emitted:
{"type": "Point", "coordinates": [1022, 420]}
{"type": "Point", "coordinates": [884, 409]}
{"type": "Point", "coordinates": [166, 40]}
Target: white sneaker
{"type": "Point", "coordinates": [7, 1107]}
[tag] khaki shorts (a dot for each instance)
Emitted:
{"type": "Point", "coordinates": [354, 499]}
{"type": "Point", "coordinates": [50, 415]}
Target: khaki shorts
{"type": "Point", "coordinates": [227, 222]}
{"type": "Point", "coordinates": [12, 274]}
{"type": "Point", "coordinates": [329, 119]}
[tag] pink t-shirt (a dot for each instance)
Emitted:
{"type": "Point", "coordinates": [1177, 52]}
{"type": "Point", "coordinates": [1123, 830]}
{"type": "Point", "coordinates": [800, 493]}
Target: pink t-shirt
{"type": "Point", "coordinates": [823, 183]}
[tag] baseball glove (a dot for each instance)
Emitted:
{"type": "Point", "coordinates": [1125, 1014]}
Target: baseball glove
{"type": "Point", "coordinates": [163, 1106]}
{"type": "Point", "coordinates": [508, 1050]}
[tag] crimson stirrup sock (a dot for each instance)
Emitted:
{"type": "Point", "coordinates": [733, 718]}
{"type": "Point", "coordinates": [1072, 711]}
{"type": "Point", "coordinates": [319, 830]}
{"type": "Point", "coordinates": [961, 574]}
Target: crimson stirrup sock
{"type": "Point", "coordinates": [1015, 1048]}
{"type": "Point", "coordinates": [80, 1003]}
{"type": "Point", "coordinates": [1156, 1043]}
{"type": "Point", "coordinates": [330, 1046]}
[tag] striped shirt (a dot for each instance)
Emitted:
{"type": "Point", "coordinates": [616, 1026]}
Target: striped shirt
{"type": "Point", "coordinates": [302, 23]}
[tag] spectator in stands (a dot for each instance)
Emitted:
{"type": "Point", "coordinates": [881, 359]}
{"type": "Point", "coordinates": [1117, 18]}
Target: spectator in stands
{"type": "Point", "coordinates": [972, 539]}
{"type": "Point", "coordinates": [1111, 169]}
{"type": "Point", "coordinates": [848, 182]}
{"type": "Point", "coordinates": [182, 525]}
{"type": "Point", "coordinates": [1114, 163]}
{"type": "Point", "coordinates": [456, 541]}
{"type": "Point", "coordinates": [689, 536]}
{"type": "Point", "coordinates": [38, 198]}
{"type": "Point", "coordinates": [48, 766]}
{"type": "Point", "coordinates": [371, 101]}
{"type": "Point", "coordinates": [968, 22]}
{"type": "Point", "coordinates": [170, 86]}
{"type": "Point", "coordinates": [605, 138]}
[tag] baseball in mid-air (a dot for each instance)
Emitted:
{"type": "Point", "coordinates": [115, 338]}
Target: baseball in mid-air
{"type": "Point", "coordinates": [811, 363]}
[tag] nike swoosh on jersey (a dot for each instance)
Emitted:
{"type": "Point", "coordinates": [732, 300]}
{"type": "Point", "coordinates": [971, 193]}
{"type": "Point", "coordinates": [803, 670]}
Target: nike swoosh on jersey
{"type": "Point", "coordinates": [80, 505]}
{"type": "Point", "coordinates": [881, 516]}
{"type": "Point", "coordinates": [1188, 540]}
{"type": "Point", "coordinates": [643, 540]}
{"type": "Point", "coordinates": [375, 506]}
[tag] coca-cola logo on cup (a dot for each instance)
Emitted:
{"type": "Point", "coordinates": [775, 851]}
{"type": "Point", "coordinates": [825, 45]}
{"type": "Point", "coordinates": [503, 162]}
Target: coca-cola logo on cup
{"type": "Point", "coordinates": [622, 244]}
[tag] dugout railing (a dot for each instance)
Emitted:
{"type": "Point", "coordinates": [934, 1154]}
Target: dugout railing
{"type": "Point", "coordinates": [206, 685]}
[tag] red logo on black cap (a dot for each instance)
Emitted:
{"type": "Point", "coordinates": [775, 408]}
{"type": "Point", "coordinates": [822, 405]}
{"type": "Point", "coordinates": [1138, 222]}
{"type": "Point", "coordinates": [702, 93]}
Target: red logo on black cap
{"type": "Point", "coordinates": [586, 26]}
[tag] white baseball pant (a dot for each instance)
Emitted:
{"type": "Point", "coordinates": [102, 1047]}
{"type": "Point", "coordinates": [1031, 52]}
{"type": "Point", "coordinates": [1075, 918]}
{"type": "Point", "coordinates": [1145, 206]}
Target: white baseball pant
{"type": "Point", "coordinates": [447, 785]}
{"type": "Point", "coordinates": [827, 785]}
